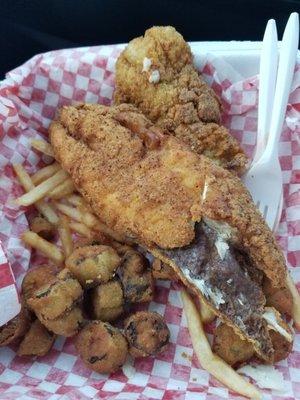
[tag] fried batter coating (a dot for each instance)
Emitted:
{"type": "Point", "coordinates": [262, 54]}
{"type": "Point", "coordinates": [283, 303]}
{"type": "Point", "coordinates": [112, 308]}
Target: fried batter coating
{"type": "Point", "coordinates": [280, 332]}
{"type": "Point", "coordinates": [179, 100]}
{"type": "Point", "coordinates": [161, 270]}
{"type": "Point", "coordinates": [42, 227]}
{"type": "Point", "coordinates": [52, 300]}
{"type": "Point", "coordinates": [230, 346]}
{"type": "Point", "coordinates": [156, 194]}
{"type": "Point", "coordinates": [147, 334]}
{"type": "Point", "coordinates": [101, 347]}
{"type": "Point", "coordinates": [15, 328]}
{"type": "Point", "coordinates": [282, 347]}
{"type": "Point", "coordinates": [107, 301]}
{"type": "Point", "coordinates": [136, 278]}
{"type": "Point", "coordinates": [280, 298]}
{"type": "Point", "coordinates": [92, 265]}
{"type": "Point", "coordinates": [36, 278]}
{"type": "Point", "coordinates": [37, 341]}
{"type": "Point", "coordinates": [233, 349]}
{"type": "Point", "coordinates": [67, 324]}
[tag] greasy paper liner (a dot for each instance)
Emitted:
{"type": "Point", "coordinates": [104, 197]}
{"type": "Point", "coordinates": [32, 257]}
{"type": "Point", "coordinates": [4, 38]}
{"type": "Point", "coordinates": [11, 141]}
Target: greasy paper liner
{"type": "Point", "coordinates": [29, 98]}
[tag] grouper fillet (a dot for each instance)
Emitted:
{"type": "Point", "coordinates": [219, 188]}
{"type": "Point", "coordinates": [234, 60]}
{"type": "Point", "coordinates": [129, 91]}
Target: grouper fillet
{"type": "Point", "coordinates": [189, 212]}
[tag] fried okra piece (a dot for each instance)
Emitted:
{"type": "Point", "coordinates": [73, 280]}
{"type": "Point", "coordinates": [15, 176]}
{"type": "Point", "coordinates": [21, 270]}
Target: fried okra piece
{"type": "Point", "coordinates": [37, 277]}
{"type": "Point", "coordinates": [52, 300]}
{"type": "Point", "coordinates": [83, 242]}
{"type": "Point", "coordinates": [161, 270]}
{"type": "Point", "coordinates": [37, 341]}
{"type": "Point", "coordinates": [15, 328]}
{"type": "Point", "coordinates": [67, 324]}
{"type": "Point", "coordinates": [42, 227]}
{"type": "Point", "coordinates": [92, 265]}
{"type": "Point", "coordinates": [121, 248]}
{"type": "Point", "coordinates": [102, 347]}
{"type": "Point", "coordinates": [136, 278]}
{"type": "Point", "coordinates": [107, 301]}
{"type": "Point", "coordinates": [230, 346]}
{"type": "Point", "coordinates": [147, 334]}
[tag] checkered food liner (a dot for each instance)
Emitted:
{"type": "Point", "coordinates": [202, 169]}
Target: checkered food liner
{"type": "Point", "coordinates": [29, 98]}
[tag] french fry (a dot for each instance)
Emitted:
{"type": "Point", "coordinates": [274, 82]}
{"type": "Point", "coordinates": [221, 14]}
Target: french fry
{"type": "Point", "coordinates": [296, 300]}
{"type": "Point", "coordinates": [88, 218]}
{"type": "Point", "coordinates": [42, 146]}
{"type": "Point", "coordinates": [23, 177]}
{"type": "Point", "coordinates": [42, 227]}
{"type": "Point", "coordinates": [40, 191]}
{"type": "Point", "coordinates": [70, 212]}
{"type": "Point", "coordinates": [75, 200]}
{"type": "Point", "coordinates": [210, 361]}
{"type": "Point", "coordinates": [44, 208]}
{"type": "Point", "coordinates": [48, 249]}
{"type": "Point", "coordinates": [81, 229]}
{"type": "Point", "coordinates": [78, 214]}
{"type": "Point", "coordinates": [207, 315]}
{"type": "Point", "coordinates": [65, 235]}
{"type": "Point", "coordinates": [62, 190]}
{"type": "Point", "coordinates": [45, 173]}
{"type": "Point", "coordinates": [47, 211]}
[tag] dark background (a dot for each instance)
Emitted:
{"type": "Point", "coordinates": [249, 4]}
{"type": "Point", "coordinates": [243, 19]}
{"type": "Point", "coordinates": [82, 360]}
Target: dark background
{"type": "Point", "coordinates": [28, 27]}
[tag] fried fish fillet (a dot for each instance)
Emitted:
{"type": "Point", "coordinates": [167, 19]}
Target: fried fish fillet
{"type": "Point", "coordinates": [189, 212]}
{"type": "Point", "coordinates": [155, 72]}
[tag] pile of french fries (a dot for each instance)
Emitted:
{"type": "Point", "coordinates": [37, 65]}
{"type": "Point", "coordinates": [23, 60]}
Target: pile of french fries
{"type": "Point", "coordinates": [52, 192]}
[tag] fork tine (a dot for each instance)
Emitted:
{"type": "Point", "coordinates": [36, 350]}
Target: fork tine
{"type": "Point", "coordinates": [265, 211]}
{"type": "Point", "coordinates": [272, 216]}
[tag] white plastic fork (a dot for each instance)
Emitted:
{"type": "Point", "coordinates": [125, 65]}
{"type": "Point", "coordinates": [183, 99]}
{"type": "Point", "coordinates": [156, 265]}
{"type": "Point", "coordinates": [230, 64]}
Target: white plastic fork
{"type": "Point", "coordinates": [267, 84]}
{"type": "Point", "coordinates": [264, 178]}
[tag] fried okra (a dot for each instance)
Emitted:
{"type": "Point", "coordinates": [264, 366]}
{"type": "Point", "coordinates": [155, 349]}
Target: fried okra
{"type": "Point", "coordinates": [37, 277]}
{"type": "Point", "coordinates": [102, 347]}
{"type": "Point", "coordinates": [121, 248]}
{"type": "Point", "coordinates": [107, 301]}
{"type": "Point", "coordinates": [15, 328]}
{"type": "Point", "coordinates": [37, 341]}
{"type": "Point", "coordinates": [92, 265]}
{"type": "Point", "coordinates": [42, 227]}
{"type": "Point", "coordinates": [230, 346]}
{"type": "Point", "coordinates": [53, 299]}
{"type": "Point", "coordinates": [161, 270]}
{"type": "Point", "coordinates": [136, 278]}
{"type": "Point", "coordinates": [67, 324]}
{"type": "Point", "coordinates": [147, 334]}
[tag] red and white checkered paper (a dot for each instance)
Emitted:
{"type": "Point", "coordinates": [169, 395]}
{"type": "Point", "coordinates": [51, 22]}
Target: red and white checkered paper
{"type": "Point", "coordinates": [29, 98]}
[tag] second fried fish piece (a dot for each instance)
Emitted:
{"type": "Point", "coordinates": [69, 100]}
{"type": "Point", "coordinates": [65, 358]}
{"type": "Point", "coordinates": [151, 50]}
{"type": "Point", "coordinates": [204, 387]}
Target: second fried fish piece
{"type": "Point", "coordinates": [191, 214]}
{"type": "Point", "coordinates": [155, 72]}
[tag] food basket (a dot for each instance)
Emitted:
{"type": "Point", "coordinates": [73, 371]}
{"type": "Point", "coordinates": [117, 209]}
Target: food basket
{"type": "Point", "coordinates": [29, 98]}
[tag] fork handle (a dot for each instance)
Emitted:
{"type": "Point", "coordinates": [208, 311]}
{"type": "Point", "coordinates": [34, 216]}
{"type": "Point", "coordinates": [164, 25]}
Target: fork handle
{"type": "Point", "coordinates": [267, 83]}
{"type": "Point", "coordinates": [287, 61]}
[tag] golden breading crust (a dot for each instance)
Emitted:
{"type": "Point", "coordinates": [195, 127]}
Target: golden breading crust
{"type": "Point", "coordinates": [178, 99]}
{"type": "Point", "coordinates": [15, 328]}
{"type": "Point", "coordinates": [156, 196]}
{"type": "Point", "coordinates": [37, 341]}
